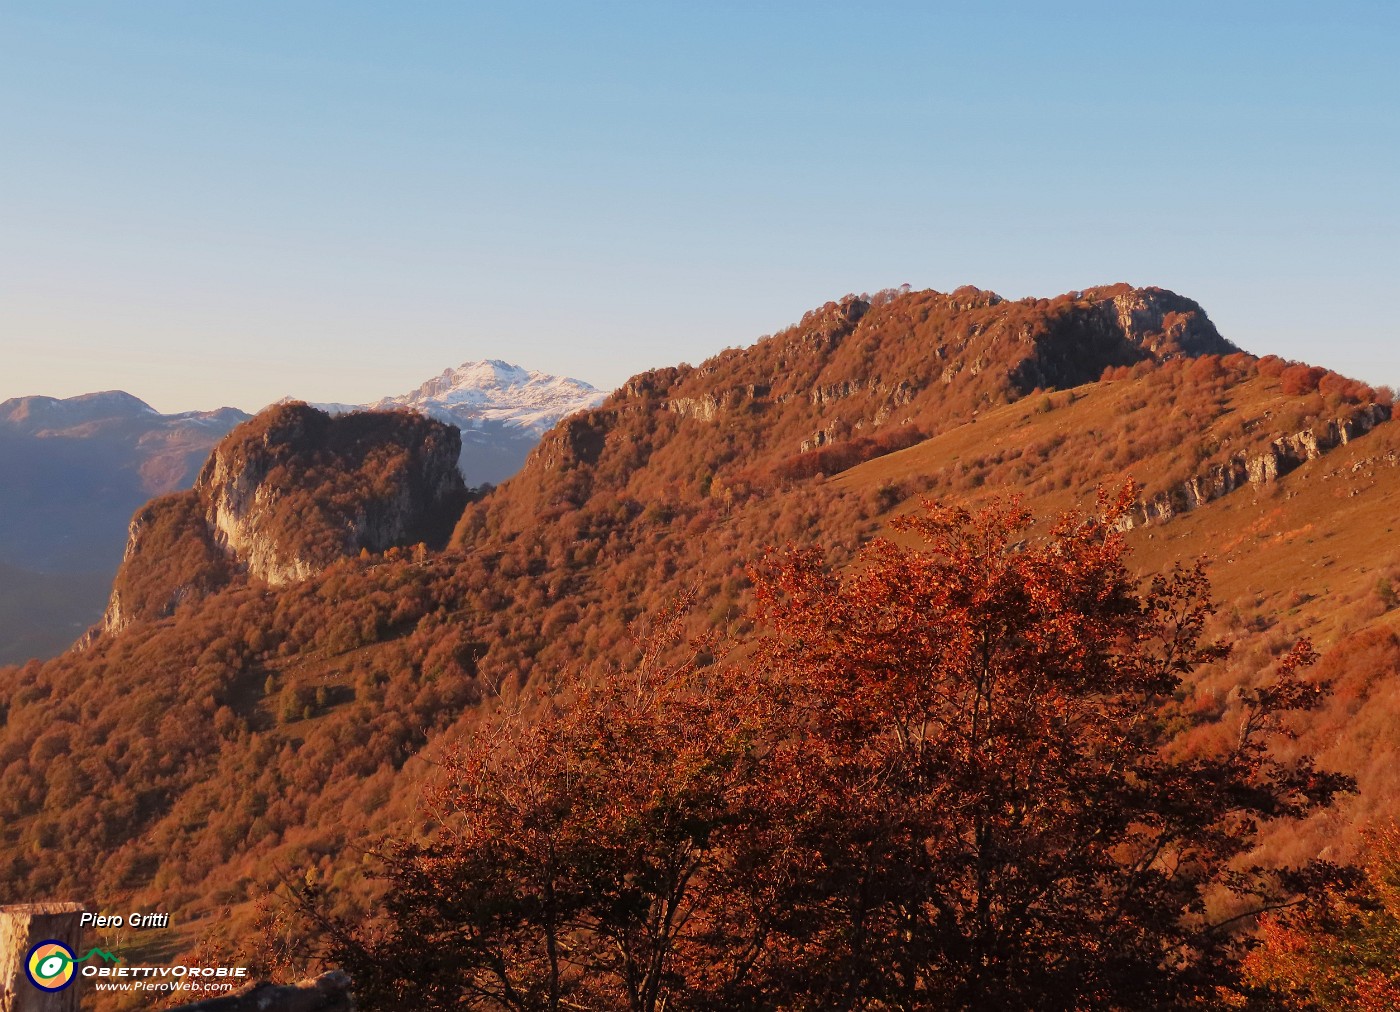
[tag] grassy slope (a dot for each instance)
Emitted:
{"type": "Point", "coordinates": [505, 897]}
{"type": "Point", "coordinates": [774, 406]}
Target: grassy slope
{"type": "Point", "coordinates": [1299, 557]}
{"type": "Point", "coordinates": [1324, 531]}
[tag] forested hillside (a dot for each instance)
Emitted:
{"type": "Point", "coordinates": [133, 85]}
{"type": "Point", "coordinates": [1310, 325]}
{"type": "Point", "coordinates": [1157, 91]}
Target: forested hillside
{"type": "Point", "coordinates": [272, 721]}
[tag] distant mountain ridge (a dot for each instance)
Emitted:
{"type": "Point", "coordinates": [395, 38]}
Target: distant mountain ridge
{"type": "Point", "coordinates": [72, 473]}
{"type": "Point", "coordinates": [71, 464]}
{"type": "Point", "coordinates": [74, 470]}
{"type": "Point", "coordinates": [39, 412]}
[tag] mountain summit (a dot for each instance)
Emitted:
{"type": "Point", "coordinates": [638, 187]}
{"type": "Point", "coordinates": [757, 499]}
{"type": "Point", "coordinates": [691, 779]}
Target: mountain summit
{"type": "Point", "coordinates": [285, 495]}
{"type": "Point", "coordinates": [502, 410]}
{"type": "Point", "coordinates": [39, 413]}
{"type": "Point", "coordinates": [854, 379]}
{"type": "Point", "coordinates": [496, 391]}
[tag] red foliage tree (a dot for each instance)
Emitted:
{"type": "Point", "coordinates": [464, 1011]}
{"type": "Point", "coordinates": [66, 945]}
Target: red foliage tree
{"type": "Point", "coordinates": [582, 858]}
{"type": "Point", "coordinates": [945, 779]}
{"type": "Point", "coordinates": [1301, 379]}
{"type": "Point", "coordinates": [1000, 818]}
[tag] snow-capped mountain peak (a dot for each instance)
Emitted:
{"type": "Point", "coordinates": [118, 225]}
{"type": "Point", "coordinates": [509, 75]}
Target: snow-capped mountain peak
{"type": "Point", "coordinates": [496, 391]}
{"type": "Point", "coordinates": [501, 409]}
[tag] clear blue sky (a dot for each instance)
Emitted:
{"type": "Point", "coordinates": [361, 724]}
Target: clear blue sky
{"type": "Point", "coordinates": [222, 203]}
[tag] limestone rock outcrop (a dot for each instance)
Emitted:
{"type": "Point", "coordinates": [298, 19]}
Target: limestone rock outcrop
{"type": "Point", "coordinates": [285, 495]}
{"type": "Point", "coordinates": [1277, 459]}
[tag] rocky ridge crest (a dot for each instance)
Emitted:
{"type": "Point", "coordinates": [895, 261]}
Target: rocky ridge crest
{"type": "Point", "coordinates": [854, 378]}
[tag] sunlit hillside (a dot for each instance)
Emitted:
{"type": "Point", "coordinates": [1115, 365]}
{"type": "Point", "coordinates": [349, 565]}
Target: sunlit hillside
{"type": "Point", "coordinates": [233, 731]}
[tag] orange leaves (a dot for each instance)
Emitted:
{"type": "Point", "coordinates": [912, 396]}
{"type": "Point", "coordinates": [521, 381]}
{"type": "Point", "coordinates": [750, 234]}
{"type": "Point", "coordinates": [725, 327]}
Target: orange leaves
{"type": "Point", "coordinates": [578, 853]}
{"type": "Point", "coordinates": [980, 715]}
{"type": "Point", "coordinates": [938, 779]}
{"type": "Point", "coordinates": [1339, 952]}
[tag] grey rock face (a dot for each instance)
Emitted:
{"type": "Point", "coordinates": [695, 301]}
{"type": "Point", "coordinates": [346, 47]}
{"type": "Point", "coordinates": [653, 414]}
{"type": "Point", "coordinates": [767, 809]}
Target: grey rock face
{"type": "Point", "coordinates": [1281, 456]}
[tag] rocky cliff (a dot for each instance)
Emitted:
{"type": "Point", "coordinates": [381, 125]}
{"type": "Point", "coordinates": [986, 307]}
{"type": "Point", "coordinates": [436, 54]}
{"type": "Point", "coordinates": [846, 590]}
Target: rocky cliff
{"type": "Point", "coordinates": [285, 495]}
{"type": "Point", "coordinates": [171, 557]}
{"type": "Point", "coordinates": [1117, 325]}
{"type": "Point", "coordinates": [1278, 458]}
{"type": "Point", "coordinates": [296, 489]}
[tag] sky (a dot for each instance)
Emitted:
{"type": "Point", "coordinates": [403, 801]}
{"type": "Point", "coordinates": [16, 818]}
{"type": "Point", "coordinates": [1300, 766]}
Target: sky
{"type": "Point", "coordinates": [212, 204]}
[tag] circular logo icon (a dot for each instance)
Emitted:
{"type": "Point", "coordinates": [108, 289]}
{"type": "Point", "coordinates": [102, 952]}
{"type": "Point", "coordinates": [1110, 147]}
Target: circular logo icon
{"type": "Point", "coordinates": [50, 966]}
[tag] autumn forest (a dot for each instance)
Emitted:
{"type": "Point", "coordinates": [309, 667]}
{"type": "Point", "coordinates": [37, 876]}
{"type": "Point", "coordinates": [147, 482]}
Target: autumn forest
{"type": "Point", "coordinates": [940, 651]}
